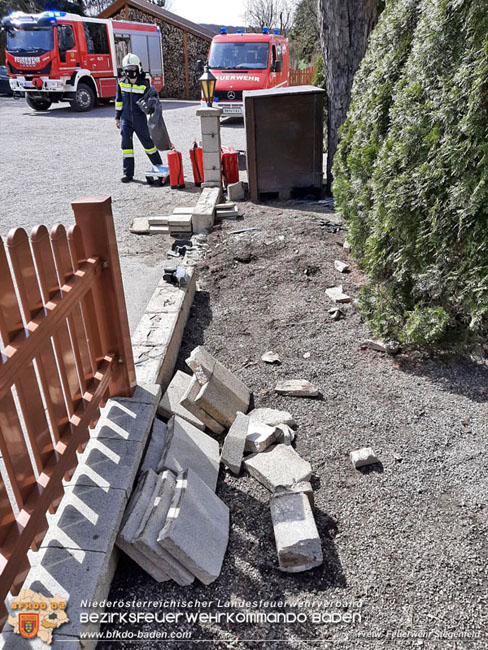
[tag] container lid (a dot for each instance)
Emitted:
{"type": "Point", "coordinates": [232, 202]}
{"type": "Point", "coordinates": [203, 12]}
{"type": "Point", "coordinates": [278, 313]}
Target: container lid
{"type": "Point", "coordinates": [284, 90]}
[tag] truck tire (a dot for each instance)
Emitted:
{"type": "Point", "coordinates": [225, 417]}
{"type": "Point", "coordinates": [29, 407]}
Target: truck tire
{"type": "Point", "coordinates": [84, 98]}
{"type": "Point", "coordinates": [37, 104]}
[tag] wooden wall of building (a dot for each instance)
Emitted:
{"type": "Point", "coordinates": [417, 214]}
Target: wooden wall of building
{"type": "Point", "coordinates": [179, 75]}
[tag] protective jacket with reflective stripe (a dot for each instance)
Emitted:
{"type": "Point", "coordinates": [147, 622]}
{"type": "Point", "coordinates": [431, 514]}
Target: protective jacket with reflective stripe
{"type": "Point", "coordinates": [128, 95]}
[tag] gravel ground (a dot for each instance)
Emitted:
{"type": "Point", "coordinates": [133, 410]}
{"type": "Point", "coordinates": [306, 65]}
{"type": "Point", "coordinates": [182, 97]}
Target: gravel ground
{"type": "Point", "coordinates": [50, 158]}
{"type": "Point", "coordinates": [404, 542]}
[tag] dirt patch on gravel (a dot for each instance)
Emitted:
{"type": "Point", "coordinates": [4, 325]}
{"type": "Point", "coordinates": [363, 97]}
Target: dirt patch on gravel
{"type": "Point", "coordinates": [405, 544]}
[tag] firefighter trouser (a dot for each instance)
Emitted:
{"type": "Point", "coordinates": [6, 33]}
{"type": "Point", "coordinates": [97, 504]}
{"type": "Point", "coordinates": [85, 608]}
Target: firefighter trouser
{"type": "Point", "coordinates": [127, 132]}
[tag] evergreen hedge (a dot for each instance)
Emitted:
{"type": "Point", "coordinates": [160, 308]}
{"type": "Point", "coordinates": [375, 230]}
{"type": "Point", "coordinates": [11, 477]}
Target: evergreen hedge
{"type": "Point", "coordinates": [411, 171]}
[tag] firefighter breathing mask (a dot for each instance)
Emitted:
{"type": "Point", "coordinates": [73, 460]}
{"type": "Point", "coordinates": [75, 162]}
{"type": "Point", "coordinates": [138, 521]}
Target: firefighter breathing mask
{"type": "Point", "coordinates": [132, 72]}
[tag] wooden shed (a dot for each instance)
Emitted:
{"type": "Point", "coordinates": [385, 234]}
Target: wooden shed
{"type": "Point", "coordinates": [184, 42]}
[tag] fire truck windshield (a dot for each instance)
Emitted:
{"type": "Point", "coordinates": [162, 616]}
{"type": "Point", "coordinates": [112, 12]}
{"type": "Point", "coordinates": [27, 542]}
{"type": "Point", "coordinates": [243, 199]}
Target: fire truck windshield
{"type": "Point", "coordinates": [30, 41]}
{"type": "Point", "coordinates": [238, 56]}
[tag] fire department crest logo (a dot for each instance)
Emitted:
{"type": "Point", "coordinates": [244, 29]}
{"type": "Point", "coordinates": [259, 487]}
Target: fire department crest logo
{"type": "Point", "coordinates": [28, 625]}
{"type": "Point", "coordinates": [34, 615]}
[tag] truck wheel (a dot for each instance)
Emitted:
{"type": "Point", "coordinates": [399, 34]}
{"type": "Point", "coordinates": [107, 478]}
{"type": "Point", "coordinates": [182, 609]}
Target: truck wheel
{"type": "Point", "coordinates": [37, 104]}
{"type": "Point", "coordinates": [84, 99]}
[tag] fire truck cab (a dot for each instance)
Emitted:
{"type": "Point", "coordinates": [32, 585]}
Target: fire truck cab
{"type": "Point", "coordinates": [55, 56]}
{"type": "Point", "coordinates": [247, 62]}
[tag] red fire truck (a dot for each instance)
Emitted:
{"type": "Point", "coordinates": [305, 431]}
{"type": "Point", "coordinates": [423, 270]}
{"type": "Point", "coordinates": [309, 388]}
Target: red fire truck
{"type": "Point", "coordinates": [60, 57]}
{"type": "Point", "coordinates": [247, 62]}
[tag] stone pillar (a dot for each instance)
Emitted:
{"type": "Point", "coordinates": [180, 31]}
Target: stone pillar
{"type": "Point", "coordinates": [210, 119]}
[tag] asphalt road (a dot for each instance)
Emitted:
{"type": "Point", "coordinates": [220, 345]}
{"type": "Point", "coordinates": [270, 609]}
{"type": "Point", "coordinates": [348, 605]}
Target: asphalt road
{"type": "Point", "coordinates": [49, 159]}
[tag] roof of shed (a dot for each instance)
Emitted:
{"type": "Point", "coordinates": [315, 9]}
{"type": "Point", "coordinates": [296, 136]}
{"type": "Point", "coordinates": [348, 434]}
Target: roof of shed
{"type": "Point", "coordinates": [159, 12]}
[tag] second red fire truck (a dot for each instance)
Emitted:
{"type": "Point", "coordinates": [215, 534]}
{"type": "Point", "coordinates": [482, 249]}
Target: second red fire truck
{"type": "Point", "coordinates": [55, 57]}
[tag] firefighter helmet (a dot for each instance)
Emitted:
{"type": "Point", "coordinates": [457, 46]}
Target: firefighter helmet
{"type": "Point", "coordinates": [131, 60]}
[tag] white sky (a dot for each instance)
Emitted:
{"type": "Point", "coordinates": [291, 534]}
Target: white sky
{"type": "Point", "coordinates": [219, 12]}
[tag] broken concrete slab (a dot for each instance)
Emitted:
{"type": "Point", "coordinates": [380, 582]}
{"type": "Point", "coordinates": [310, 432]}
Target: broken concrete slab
{"type": "Point", "coordinates": [278, 465]}
{"type": "Point", "coordinates": [171, 401]}
{"type": "Point", "coordinates": [191, 448]}
{"type": "Point", "coordinates": [234, 443]}
{"type": "Point", "coordinates": [296, 535]}
{"type": "Point", "coordinates": [285, 434]}
{"type": "Point", "coordinates": [145, 516]}
{"type": "Point", "coordinates": [377, 345]}
{"type": "Point", "coordinates": [342, 267]}
{"type": "Point", "coordinates": [272, 417]}
{"type": "Point", "coordinates": [337, 295]}
{"type": "Point", "coordinates": [362, 457]}
{"type": "Point", "coordinates": [271, 357]}
{"type": "Point", "coordinates": [196, 531]}
{"type": "Point", "coordinates": [188, 402]}
{"type": "Point", "coordinates": [204, 211]}
{"type": "Point", "coordinates": [155, 362]}
{"type": "Point", "coordinates": [260, 436]}
{"type": "Point", "coordinates": [151, 525]}
{"type": "Point", "coordinates": [346, 245]}
{"type": "Point", "coordinates": [154, 450]}
{"type": "Point", "coordinates": [141, 499]}
{"type": "Point", "coordinates": [204, 366]}
{"type": "Point", "coordinates": [304, 487]}
{"type": "Point", "coordinates": [140, 226]}
{"type": "Point", "coordinates": [235, 191]}
{"type": "Point", "coordinates": [297, 388]}
{"type": "Point", "coordinates": [219, 400]}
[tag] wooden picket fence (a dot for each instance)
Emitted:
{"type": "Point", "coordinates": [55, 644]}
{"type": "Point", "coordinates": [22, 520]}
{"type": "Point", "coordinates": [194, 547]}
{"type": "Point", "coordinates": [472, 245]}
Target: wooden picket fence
{"type": "Point", "coordinates": [302, 77]}
{"type": "Point", "coordinates": [65, 348]}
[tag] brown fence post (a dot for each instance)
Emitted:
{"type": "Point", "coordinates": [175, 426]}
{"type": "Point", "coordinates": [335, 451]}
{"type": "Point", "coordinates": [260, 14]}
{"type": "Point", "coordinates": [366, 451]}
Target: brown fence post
{"type": "Point", "coordinates": [94, 217]}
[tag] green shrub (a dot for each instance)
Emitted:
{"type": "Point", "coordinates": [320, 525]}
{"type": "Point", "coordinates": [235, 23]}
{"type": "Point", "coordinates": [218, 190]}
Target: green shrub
{"type": "Point", "coordinates": [411, 171]}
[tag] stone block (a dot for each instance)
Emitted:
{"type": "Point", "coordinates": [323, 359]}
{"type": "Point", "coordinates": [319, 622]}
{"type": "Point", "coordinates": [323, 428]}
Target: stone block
{"type": "Point", "coordinates": [342, 267]}
{"type": "Point", "coordinates": [204, 211]}
{"type": "Point", "coordinates": [140, 503]}
{"type": "Point", "coordinates": [158, 221]}
{"type": "Point", "coordinates": [362, 457]}
{"type": "Point", "coordinates": [87, 518]}
{"type": "Point", "coordinates": [205, 366]}
{"type": "Point", "coordinates": [272, 417]}
{"type": "Point", "coordinates": [154, 450]}
{"type": "Point", "coordinates": [278, 465]}
{"type": "Point", "coordinates": [188, 402]}
{"type": "Point", "coordinates": [234, 443]}
{"type": "Point", "coordinates": [297, 388]}
{"type": "Point", "coordinates": [183, 210]}
{"type": "Point", "coordinates": [210, 125]}
{"type": "Point", "coordinates": [285, 434]}
{"type": "Point", "coordinates": [218, 400]}
{"type": "Point", "coordinates": [190, 448]}
{"type": "Point", "coordinates": [171, 401]}
{"type": "Point", "coordinates": [260, 436]}
{"type": "Point", "coordinates": [235, 191]}
{"type": "Point", "coordinates": [109, 463]}
{"type": "Point", "coordinates": [196, 532]}
{"type": "Point", "coordinates": [304, 487]}
{"type": "Point", "coordinates": [140, 226]}
{"type": "Point", "coordinates": [211, 142]}
{"type": "Point", "coordinates": [212, 172]}
{"type": "Point", "coordinates": [151, 524]}
{"type": "Point", "coordinates": [337, 295]}
{"type": "Point", "coordinates": [296, 535]}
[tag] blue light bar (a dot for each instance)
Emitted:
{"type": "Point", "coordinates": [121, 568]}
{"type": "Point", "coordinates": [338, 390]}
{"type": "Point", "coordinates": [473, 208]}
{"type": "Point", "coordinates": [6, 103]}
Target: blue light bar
{"type": "Point", "coordinates": [276, 31]}
{"type": "Point", "coordinates": [239, 31]}
{"type": "Point", "coordinates": [265, 30]}
{"type": "Point", "coordinates": [223, 30]}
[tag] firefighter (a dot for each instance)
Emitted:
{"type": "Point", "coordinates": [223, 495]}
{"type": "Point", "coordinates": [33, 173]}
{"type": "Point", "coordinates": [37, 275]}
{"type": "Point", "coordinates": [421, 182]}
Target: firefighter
{"type": "Point", "coordinates": [129, 117]}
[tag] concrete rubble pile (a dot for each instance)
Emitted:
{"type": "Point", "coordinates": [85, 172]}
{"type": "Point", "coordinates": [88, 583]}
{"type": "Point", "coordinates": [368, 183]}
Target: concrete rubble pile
{"type": "Point", "coordinates": [174, 517]}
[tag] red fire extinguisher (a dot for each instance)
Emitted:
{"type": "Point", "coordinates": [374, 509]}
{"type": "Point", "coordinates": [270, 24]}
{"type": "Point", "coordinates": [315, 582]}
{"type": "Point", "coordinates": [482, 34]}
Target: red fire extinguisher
{"type": "Point", "coordinates": [175, 164]}
{"type": "Point", "coordinates": [196, 157]}
{"type": "Point", "coordinates": [230, 166]}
